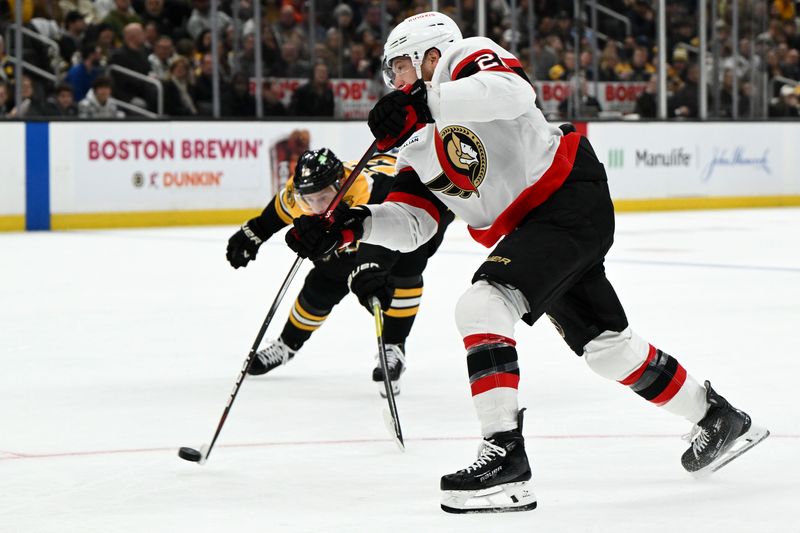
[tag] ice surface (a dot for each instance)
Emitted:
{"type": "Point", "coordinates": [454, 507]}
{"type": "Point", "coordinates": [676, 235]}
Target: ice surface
{"type": "Point", "coordinates": [118, 347]}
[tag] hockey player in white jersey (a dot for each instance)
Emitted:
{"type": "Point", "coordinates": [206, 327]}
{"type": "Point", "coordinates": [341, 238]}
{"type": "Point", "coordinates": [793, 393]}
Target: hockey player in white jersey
{"type": "Point", "coordinates": [471, 139]}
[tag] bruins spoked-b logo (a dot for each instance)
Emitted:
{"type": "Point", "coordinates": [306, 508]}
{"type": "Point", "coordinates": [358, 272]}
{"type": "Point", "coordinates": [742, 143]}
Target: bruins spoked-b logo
{"type": "Point", "coordinates": [463, 159]}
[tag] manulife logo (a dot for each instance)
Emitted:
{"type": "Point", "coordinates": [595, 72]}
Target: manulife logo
{"type": "Point", "coordinates": [616, 158]}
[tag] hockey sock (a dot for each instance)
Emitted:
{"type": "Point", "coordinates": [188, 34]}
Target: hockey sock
{"type": "Point", "coordinates": [304, 320]}
{"type": "Point", "coordinates": [493, 377]}
{"type": "Point", "coordinates": [651, 373]}
{"type": "Point", "coordinates": [662, 381]}
{"type": "Point", "coordinates": [399, 318]}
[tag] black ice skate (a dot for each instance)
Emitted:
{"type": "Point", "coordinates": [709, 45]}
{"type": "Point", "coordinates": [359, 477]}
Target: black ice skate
{"type": "Point", "coordinates": [721, 436]}
{"type": "Point", "coordinates": [498, 481]}
{"type": "Point", "coordinates": [396, 363]}
{"type": "Point", "coordinates": [274, 354]}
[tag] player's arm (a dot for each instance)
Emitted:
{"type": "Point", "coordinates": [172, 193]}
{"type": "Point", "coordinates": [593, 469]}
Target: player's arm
{"type": "Point", "coordinates": [482, 87]}
{"type": "Point", "coordinates": [244, 244]}
{"type": "Point", "coordinates": [408, 217]}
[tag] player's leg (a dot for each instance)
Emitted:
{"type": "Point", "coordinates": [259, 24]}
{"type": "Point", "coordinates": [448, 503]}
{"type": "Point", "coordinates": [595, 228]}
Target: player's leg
{"type": "Point", "coordinates": [324, 287]}
{"type": "Point", "coordinates": [592, 321]}
{"type": "Point", "coordinates": [529, 269]}
{"type": "Point", "coordinates": [499, 479]}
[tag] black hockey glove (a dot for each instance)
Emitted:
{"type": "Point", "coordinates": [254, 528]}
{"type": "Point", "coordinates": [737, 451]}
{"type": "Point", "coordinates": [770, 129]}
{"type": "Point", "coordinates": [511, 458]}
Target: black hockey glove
{"type": "Point", "coordinates": [316, 237]}
{"type": "Point", "coordinates": [396, 116]}
{"type": "Point", "coordinates": [243, 245]}
{"type": "Point", "coordinates": [370, 280]}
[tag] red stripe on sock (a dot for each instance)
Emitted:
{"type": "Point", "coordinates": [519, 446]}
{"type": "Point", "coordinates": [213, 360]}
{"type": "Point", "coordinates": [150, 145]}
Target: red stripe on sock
{"type": "Point", "coordinates": [672, 389]}
{"type": "Point", "coordinates": [470, 341]}
{"type": "Point", "coordinates": [501, 379]}
{"type": "Point", "coordinates": [633, 378]}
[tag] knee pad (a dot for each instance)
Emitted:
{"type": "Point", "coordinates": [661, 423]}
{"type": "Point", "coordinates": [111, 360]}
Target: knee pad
{"type": "Point", "coordinates": [487, 307]}
{"type": "Point", "coordinates": [616, 354]}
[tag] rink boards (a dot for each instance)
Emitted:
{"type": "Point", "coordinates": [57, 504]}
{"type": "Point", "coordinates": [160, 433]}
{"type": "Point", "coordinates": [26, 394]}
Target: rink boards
{"type": "Point", "coordinates": [64, 175]}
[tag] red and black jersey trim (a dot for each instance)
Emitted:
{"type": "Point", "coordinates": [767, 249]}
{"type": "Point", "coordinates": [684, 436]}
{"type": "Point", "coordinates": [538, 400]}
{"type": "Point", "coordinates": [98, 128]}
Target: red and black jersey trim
{"type": "Point", "coordinates": [488, 60]}
{"type": "Point", "coordinates": [533, 196]}
{"type": "Point", "coordinates": [408, 189]}
{"type": "Point", "coordinates": [484, 60]}
{"type": "Point", "coordinates": [658, 379]}
{"type": "Point", "coordinates": [492, 366]}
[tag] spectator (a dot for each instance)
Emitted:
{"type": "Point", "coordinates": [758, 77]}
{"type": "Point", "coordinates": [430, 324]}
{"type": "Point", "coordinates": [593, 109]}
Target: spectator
{"type": "Point", "coordinates": [71, 37]}
{"type": "Point", "coordinates": [103, 36]}
{"type": "Point", "coordinates": [121, 17]}
{"type": "Point", "coordinates": [273, 107]}
{"type": "Point", "coordinates": [177, 89]}
{"type": "Point", "coordinates": [726, 97]}
{"type": "Point", "coordinates": [642, 17]}
{"type": "Point", "coordinates": [787, 105]}
{"type": "Point", "coordinates": [641, 69]}
{"type": "Point", "coordinates": [154, 12]}
{"type": "Point", "coordinates": [132, 57]}
{"type": "Point", "coordinates": [358, 65]}
{"type": "Point", "coordinates": [270, 50]}
{"type": "Point", "coordinates": [200, 19]}
{"type": "Point", "coordinates": [103, 8]}
{"type": "Point", "coordinates": [343, 17]}
{"type": "Point", "coordinates": [81, 76]}
{"type": "Point", "coordinates": [98, 103]}
{"type": "Point", "coordinates": [242, 103]}
{"type": "Point", "coordinates": [245, 60]}
{"type": "Point", "coordinates": [151, 36]}
{"type": "Point", "coordinates": [790, 67]}
{"type": "Point", "coordinates": [315, 98]}
{"type": "Point", "coordinates": [680, 62]}
{"type": "Point", "coordinates": [203, 93]}
{"type": "Point", "coordinates": [4, 109]}
{"type": "Point", "coordinates": [609, 60]}
{"type": "Point", "coordinates": [589, 105]}
{"type": "Point", "coordinates": [646, 104]}
{"type": "Point", "coordinates": [544, 58]}
{"type": "Point", "coordinates": [290, 65]}
{"type": "Point", "coordinates": [6, 64]}
{"type": "Point", "coordinates": [784, 8]}
{"type": "Point", "coordinates": [84, 7]}
{"type": "Point", "coordinates": [684, 103]}
{"type": "Point", "coordinates": [287, 30]}
{"type": "Point", "coordinates": [31, 105]}
{"type": "Point", "coordinates": [62, 104]}
{"type": "Point", "coordinates": [161, 58]}
{"type": "Point", "coordinates": [372, 19]}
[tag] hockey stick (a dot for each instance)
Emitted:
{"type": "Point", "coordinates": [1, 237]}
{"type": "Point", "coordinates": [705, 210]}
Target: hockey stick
{"type": "Point", "coordinates": [201, 456]}
{"type": "Point", "coordinates": [390, 417]}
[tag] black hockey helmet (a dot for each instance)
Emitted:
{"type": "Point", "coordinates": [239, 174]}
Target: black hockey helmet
{"type": "Point", "coordinates": [317, 170]}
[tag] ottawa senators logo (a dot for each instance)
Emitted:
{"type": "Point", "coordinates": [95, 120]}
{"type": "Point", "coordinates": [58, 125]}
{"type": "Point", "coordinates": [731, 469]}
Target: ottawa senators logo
{"type": "Point", "coordinates": [463, 159]}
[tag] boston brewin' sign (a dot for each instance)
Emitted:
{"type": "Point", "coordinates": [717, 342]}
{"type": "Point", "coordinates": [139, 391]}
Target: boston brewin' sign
{"type": "Point", "coordinates": [156, 167]}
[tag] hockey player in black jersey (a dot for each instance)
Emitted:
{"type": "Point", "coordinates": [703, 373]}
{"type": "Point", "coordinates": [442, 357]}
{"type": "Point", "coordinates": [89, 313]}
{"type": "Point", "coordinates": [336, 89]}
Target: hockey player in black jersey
{"type": "Point", "coordinates": [471, 139]}
{"type": "Point", "coordinates": [394, 278]}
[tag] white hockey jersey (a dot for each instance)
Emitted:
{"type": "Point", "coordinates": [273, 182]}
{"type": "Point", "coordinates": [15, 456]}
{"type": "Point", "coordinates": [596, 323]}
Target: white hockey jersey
{"type": "Point", "coordinates": [490, 156]}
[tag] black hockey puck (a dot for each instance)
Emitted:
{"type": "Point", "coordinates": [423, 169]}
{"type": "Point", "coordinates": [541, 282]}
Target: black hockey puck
{"type": "Point", "coordinates": [189, 454]}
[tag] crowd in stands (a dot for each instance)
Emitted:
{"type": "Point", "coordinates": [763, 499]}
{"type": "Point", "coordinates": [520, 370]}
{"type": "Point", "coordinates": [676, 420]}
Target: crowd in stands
{"type": "Point", "coordinates": [169, 42]}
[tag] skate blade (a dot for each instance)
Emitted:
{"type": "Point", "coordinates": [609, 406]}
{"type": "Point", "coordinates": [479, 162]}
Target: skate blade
{"type": "Point", "coordinates": [506, 498]}
{"type": "Point", "coordinates": [742, 444]}
{"type": "Point", "coordinates": [382, 388]}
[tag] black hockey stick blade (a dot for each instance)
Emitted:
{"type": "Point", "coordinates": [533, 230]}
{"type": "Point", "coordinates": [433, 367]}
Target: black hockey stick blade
{"type": "Point", "coordinates": [390, 417]}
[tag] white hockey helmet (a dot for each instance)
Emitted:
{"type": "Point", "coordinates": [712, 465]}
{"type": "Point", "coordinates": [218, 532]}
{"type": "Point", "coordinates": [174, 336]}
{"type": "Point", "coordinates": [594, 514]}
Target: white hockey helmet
{"type": "Point", "coordinates": [415, 36]}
